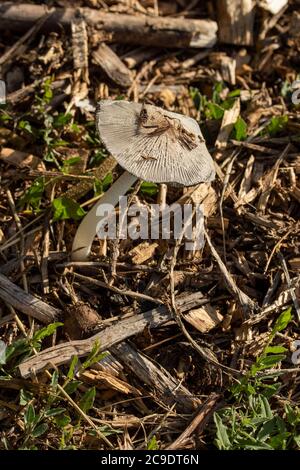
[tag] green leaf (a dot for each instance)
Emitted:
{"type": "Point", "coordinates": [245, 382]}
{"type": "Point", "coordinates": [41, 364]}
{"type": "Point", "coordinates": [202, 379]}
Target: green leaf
{"type": "Point", "coordinates": [62, 119]}
{"type": "Point", "coordinates": [94, 356]}
{"type": "Point", "coordinates": [50, 157]}
{"type": "Point", "coordinates": [65, 208]}
{"type": "Point", "coordinates": [282, 321]}
{"type": "Point", "coordinates": [87, 400]}
{"type": "Point", "coordinates": [60, 142]}
{"type": "Point", "coordinates": [34, 194]}
{"type": "Point", "coordinates": [54, 379]}
{"type": "Point", "coordinates": [75, 128]}
{"type": "Point", "coordinates": [218, 88]}
{"type": "Point", "coordinates": [26, 126]}
{"type": "Point", "coordinates": [4, 116]}
{"type": "Point", "coordinates": [234, 93]}
{"type": "Point", "coordinates": [275, 350]}
{"type": "Point", "coordinates": [277, 124]}
{"type": "Point", "coordinates": [29, 415]}
{"type": "Point", "coordinates": [196, 97]}
{"type": "Point", "coordinates": [293, 415]}
{"type": "Point", "coordinates": [227, 104]}
{"type": "Point", "coordinates": [98, 188]}
{"type": "Point", "coordinates": [250, 389]}
{"type": "Point", "coordinates": [62, 420]}
{"type": "Point", "coordinates": [149, 189]}
{"type": "Point", "coordinates": [72, 161]}
{"type": "Point", "coordinates": [270, 390]}
{"type": "Point", "coordinates": [17, 348]}
{"type": "Point", "coordinates": [25, 397]}
{"type": "Point", "coordinates": [97, 358]}
{"type": "Point", "coordinates": [54, 412]}
{"type": "Point", "coordinates": [240, 129]}
{"type": "Point", "coordinates": [215, 111]}
{"type": "Point", "coordinates": [2, 352]}
{"type": "Point", "coordinates": [267, 429]}
{"type": "Point", "coordinates": [98, 156]}
{"type": "Point", "coordinates": [71, 387]}
{"type": "Point", "coordinates": [222, 441]}
{"type": "Point", "coordinates": [267, 362]}
{"type": "Point", "coordinates": [107, 181]}
{"type": "Point", "coordinates": [258, 446]}
{"type": "Point", "coordinates": [152, 444]}
{"type": "Point", "coordinates": [39, 430]}
{"type": "Point", "coordinates": [46, 331]}
{"type": "Point", "coordinates": [266, 411]}
{"type": "Point", "coordinates": [102, 186]}
{"type": "Point", "coordinates": [297, 440]}
{"type": "Point", "coordinates": [48, 94]}
{"type": "Point", "coordinates": [69, 163]}
{"type": "Point", "coordinates": [71, 370]}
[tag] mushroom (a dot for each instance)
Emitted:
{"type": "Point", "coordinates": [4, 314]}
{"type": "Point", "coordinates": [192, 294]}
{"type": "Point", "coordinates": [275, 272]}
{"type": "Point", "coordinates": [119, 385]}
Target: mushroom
{"type": "Point", "coordinates": [150, 143]}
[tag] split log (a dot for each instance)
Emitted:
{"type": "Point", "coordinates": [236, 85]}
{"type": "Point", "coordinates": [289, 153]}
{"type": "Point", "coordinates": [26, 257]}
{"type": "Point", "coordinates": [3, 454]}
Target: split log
{"type": "Point", "coordinates": [62, 353]}
{"type": "Point", "coordinates": [130, 29]}
{"type": "Point", "coordinates": [112, 65]}
{"type": "Point", "coordinates": [235, 21]}
{"type": "Point", "coordinates": [198, 423]}
{"type": "Point", "coordinates": [166, 389]}
{"type": "Point", "coordinates": [26, 303]}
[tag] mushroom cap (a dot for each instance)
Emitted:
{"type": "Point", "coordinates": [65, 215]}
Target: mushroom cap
{"type": "Point", "coordinates": [155, 145]}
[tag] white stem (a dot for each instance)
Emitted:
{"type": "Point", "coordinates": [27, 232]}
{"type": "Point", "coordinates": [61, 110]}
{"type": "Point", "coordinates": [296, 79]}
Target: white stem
{"type": "Point", "coordinates": [87, 230]}
{"type": "Point", "coordinates": [162, 195]}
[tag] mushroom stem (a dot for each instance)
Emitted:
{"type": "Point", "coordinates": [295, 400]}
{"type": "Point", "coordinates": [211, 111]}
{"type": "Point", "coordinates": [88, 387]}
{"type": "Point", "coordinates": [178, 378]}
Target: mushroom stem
{"type": "Point", "coordinates": [162, 196]}
{"type": "Point", "coordinates": [87, 230]}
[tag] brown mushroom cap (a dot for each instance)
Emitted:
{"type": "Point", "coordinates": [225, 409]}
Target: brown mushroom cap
{"type": "Point", "coordinates": [155, 145]}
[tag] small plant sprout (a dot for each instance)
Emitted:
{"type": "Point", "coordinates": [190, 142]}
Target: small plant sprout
{"type": "Point", "coordinates": [151, 144]}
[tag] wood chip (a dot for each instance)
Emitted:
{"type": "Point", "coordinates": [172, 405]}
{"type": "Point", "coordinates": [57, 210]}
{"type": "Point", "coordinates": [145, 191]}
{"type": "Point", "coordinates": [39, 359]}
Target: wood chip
{"type": "Point", "coordinates": [228, 69]}
{"type": "Point", "coordinates": [143, 252]}
{"type": "Point", "coordinates": [229, 119]}
{"type": "Point", "coordinates": [21, 159]}
{"type": "Point", "coordinates": [104, 380]}
{"type": "Point", "coordinates": [245, 185]}
{"type": "Point", "coordinates": [204, 318]}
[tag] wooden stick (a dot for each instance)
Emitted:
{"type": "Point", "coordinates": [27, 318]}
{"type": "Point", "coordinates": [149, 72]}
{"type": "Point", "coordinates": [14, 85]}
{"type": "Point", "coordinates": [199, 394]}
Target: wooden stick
{"type": "Point", "coordinates": [166, 389]}
{"type": "Point", "coordinates": [62, 353]}
{"type": "Point", "coordinates": [112, 65]}
{"type": "Point", "coordinates": [26, 303]}
{"type": "Point", "coordinates": [198, 423]}
{"type": "Point", "coordinates": [130, 29]}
